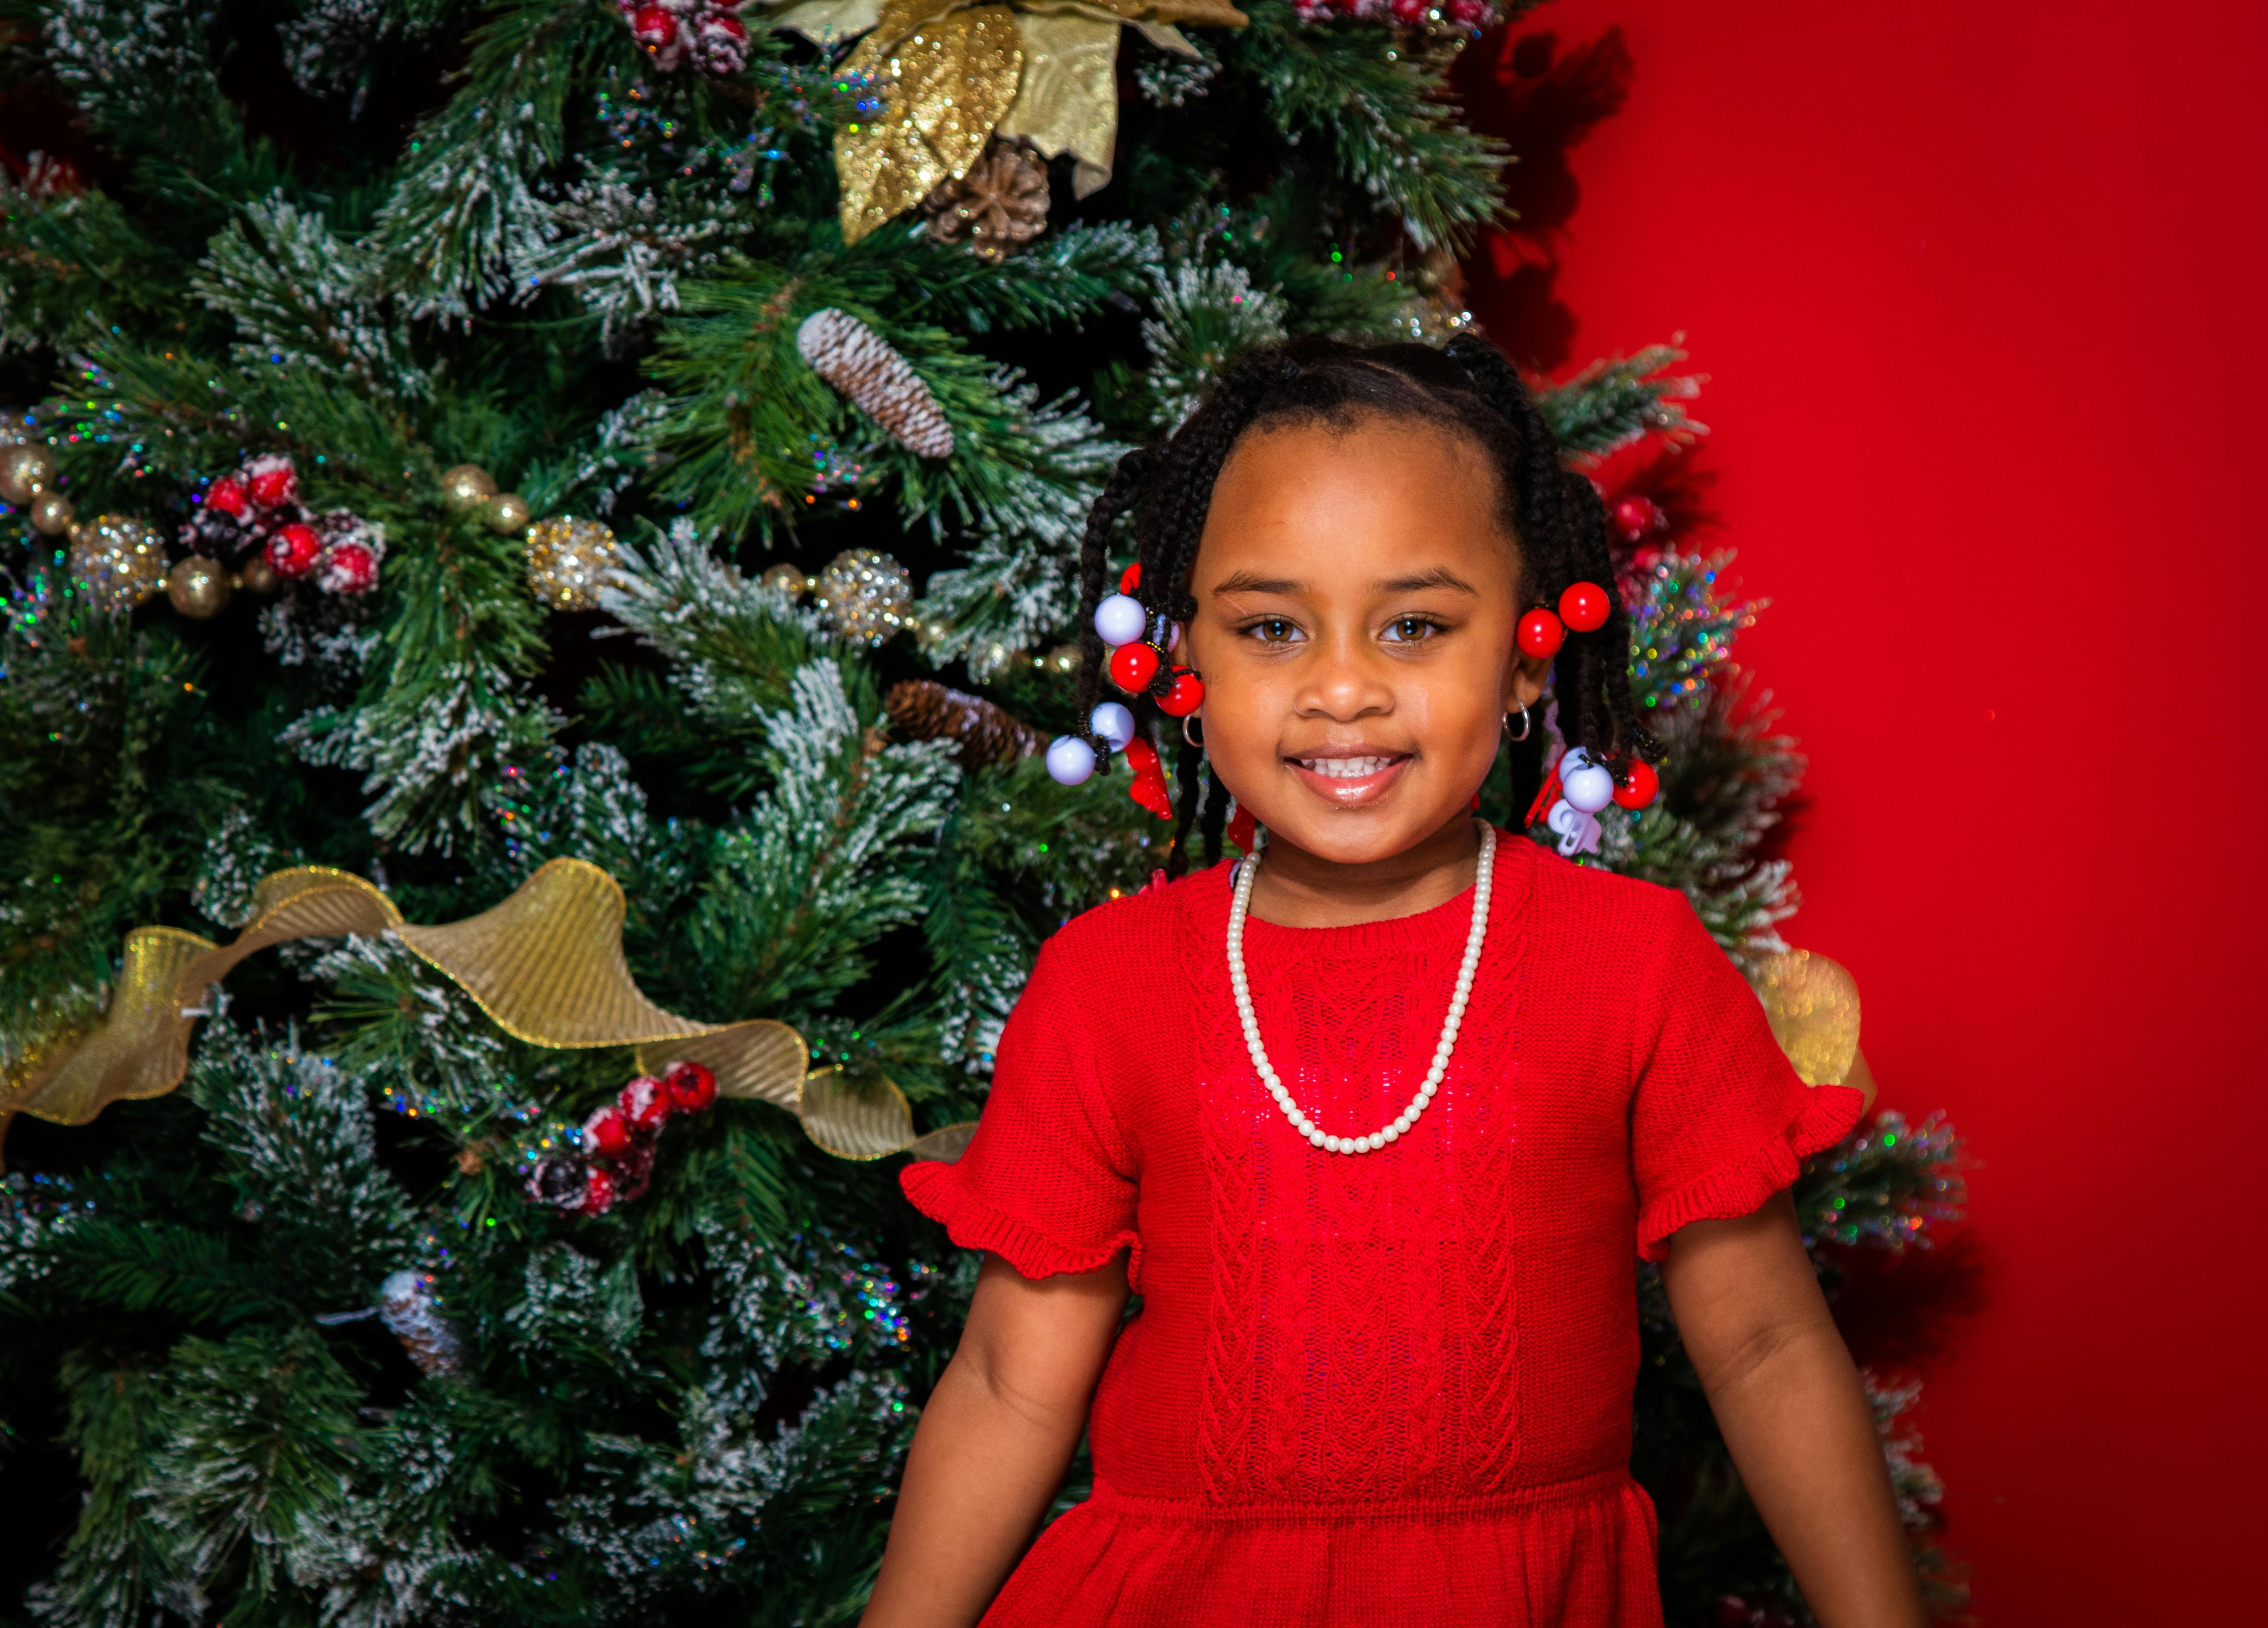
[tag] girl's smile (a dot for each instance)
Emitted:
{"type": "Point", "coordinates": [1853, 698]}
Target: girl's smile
{"type": "Point", "coordinates": [1348, 777]}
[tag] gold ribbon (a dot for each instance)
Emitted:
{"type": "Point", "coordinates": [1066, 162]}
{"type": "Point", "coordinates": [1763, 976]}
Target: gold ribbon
{"type": "Point", "coordinates": [546, 965]}
{"type": "Point", "coordinates": [1812, 1003]}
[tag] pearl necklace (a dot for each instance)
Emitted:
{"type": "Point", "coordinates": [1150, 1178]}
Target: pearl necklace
{"type": "Point", "coordinates": [1241, 902]}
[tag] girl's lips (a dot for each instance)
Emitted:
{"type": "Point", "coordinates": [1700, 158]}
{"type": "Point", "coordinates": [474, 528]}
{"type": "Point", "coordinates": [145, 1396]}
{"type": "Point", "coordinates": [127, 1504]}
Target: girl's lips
{"type": "Point", "coordinates": [1349, 782]}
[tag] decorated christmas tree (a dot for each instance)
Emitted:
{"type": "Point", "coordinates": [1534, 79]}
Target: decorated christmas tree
{"type": "Point", "coordinates": [540, 565]}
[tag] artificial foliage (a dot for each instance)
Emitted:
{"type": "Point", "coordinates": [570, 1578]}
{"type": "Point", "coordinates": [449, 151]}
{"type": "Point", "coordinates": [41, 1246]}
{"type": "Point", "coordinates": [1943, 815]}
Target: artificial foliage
{"type": "Point", "coordinates": [294, 1344]}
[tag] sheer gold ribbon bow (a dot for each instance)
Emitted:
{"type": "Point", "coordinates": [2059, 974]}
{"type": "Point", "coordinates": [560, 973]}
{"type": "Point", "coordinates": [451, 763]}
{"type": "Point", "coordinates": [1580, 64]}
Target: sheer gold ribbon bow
{"type": "Point", "coordinates": [1812, 1003]}
{"type": "Point", "coordinates": [953, 73]}
{"type": "Point", "coordinates": [546, 965]}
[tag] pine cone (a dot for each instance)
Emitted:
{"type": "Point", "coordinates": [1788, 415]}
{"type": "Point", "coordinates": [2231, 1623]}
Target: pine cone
{"type": "Point", "coordinates": [925, 709]}
{"type": "Point", "coordinates": [860, 363]}
{"type": "Point", "coordinates": [1000, 206]}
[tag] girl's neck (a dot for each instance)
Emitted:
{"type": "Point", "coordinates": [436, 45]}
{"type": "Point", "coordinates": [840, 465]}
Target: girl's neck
{"type": "Point", "coordinates": [1296, 888]}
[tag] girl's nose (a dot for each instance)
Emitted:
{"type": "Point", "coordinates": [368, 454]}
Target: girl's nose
{"type": "Point", "coordinates": [1343, 681]}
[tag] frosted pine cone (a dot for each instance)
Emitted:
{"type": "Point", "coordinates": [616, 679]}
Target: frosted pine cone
{"type": "Point", "coordinates": [925, 709]}
{"type": "Point", "coordinates": [859, 363]}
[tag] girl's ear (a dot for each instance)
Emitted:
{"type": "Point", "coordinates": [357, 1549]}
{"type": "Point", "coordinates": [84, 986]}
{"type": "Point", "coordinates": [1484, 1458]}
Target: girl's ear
{"type": "Point", "coordinates": [1528, 675]}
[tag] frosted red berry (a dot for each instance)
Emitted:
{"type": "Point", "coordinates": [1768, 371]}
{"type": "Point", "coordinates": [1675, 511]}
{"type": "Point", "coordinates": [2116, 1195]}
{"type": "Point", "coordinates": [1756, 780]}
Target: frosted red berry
{"type": "Point", "coordinates": [274, 486]}
{"type": "Point", "coordinates": [1184, 696]}
{"type": "Point", "coordinates": [1639, 786]}
{"type": "Point", "coordinates": [597, 1193]}
{"type": "Point", "coordinates": [1540, 634]}
{"type": "Point", "coordinates": [1132, 666]}
{"type": "Point", "coordinates": [692, 1086]}
{"type": "Point", "coordinates": [645, 1103]}
{"type": "Point", "coordinates": [228, 497]}
{"type": "Point", "coordinates": [606, 1133]}
{"type": "Point", "coordinates": [1584, 607]}
{"type": "Point", "coordinates": [294, 549]}
{"type": "Point", "coordinates": [653, 26]}
{"type": "Point", "coordinates": [349, 568]}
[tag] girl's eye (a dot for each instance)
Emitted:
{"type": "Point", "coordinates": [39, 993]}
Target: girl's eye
{"type": "Point", "coordinates": [1411, 629]}
{"type": "Point", "coordinates": [1273, 630]}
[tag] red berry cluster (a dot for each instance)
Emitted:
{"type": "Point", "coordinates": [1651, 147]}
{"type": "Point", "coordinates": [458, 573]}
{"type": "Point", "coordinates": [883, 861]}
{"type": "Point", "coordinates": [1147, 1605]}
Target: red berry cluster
{"type": "Point", "coordinates": [1401, 13]}
{"type": "Point", "coordinates": [706, 32]}
{"type": "Point", "coordinates": [258, 507]}
{"type": "Point", "coordinates": [616, 1162]}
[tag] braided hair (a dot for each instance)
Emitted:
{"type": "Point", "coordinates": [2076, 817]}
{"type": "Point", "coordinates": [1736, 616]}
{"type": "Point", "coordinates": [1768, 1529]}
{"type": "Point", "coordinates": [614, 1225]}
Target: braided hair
{"type": "Point", "coordinates": [1553, 514]}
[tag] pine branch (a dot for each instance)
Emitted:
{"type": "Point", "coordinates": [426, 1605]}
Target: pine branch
{"type": "Point", "coordinates": [1383, 114]}
{"type": "Point", "coordinates": [301, 295]}
{"type": "Point", "coordinates": [464, 209]}
{"type": "Point", "coordinates": [1618, 402]}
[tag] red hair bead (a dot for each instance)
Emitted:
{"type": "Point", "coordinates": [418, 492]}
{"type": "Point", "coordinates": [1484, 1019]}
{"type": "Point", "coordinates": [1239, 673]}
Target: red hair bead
{"type": "Point", "coordinates": [1584, 607]}
{"type": "Point", "coordinates": [1130, 578]}
{"type": "Point", "coordinates": [1639, 786]}
{"type": "Point", "coordinates": [1540, 635]}
{"type": "Point", "coordinates": [1132, 666]}
{"type": "Point", "coordinates": [1185, 697]}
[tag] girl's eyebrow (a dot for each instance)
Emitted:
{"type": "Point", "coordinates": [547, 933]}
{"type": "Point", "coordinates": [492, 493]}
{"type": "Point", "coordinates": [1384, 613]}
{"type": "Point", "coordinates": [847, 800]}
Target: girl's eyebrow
{"type": "Point", "coordinates": [1245, 582]}
{"type": "Point", "coordinates": [1439, 577]}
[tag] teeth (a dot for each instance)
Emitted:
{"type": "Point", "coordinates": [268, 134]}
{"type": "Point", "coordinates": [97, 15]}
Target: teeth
{"type": "Point", "coordinates": [1345, 768]}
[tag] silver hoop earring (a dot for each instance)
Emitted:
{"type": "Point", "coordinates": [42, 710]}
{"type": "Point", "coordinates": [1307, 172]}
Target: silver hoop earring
{"type": "Point", "coordinates": [1197, 745]}
{"type": "Point", "coordinates": [1522, 735]}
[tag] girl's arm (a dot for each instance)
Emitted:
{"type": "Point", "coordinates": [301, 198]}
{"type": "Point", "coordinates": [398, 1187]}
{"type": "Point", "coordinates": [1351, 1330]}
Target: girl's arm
{"type": "Point", "coordinates": [1794, 1414]}
{"type": "Point", "coordinates": [994, 1442]}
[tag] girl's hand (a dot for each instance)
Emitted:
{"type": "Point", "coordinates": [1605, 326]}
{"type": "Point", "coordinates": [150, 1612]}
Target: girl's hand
{"type": "Point", "coordinates": [1794, 1414]}
{"type": "Point", "coordinates": [994, 1442]}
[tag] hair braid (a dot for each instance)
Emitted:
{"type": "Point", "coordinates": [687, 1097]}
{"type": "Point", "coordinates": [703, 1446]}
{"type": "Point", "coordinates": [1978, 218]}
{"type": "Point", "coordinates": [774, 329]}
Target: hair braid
{"type": "Point", "coordinates": [1214, 820]}
{"type": "Point", "coordinates": [1186, 766]}
{"type": "Point", "coordinates": [1120, 493]}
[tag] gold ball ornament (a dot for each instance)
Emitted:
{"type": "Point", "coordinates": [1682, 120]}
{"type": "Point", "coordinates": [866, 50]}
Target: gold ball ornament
{"type": "Point", "coordinates": [786, 578]}
{"type": "Point", "coordinates": [51, 513]}
{"type": "Point", "coordinates": [257, 576]}
{"type": "Point", "coordinates": [25, 470]}
{"type": "Point", "coordinates": [865, 595]}
{"type": "Point", "coordinates": [567, 560]}
{"type": "Point", "coordinates": [507, 512]}
{"type": "Point", "coordinates": [468, 486]}
{"type": "Point", "coordinates": [198, 588]}
{"type": "Point", "coordinates": [117, 561]}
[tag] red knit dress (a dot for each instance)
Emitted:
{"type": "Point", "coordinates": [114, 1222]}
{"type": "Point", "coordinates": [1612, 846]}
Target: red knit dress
{"type": "Point", "coordinates": [1394, 1388]}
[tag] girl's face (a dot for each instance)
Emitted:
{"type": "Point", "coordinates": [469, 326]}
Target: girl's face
{"type": "Point", "coordinates": [1357, 599]}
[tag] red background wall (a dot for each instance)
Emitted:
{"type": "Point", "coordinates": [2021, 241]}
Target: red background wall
{"type": "Point", "coordinates": [1980, 291]}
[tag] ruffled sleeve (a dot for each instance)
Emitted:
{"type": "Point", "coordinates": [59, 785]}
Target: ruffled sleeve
{"type": "Point", "coordinates": [1719, 1120]}
{"type": "Point", "coordinates": [1047, 1182]}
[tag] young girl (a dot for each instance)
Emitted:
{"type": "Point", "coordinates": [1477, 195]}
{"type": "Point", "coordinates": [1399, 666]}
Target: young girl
{"type": "Point", "coordinates": [1378, 1123]}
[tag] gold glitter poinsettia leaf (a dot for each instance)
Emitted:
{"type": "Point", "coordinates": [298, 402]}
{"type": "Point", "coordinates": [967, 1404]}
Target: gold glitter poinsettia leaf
{"type": "Point", "coordinates": [546, 965]}
{"type": "Point", "coordinates": [947, 82]}
{"type": "Point", "coordinates": [951, 74]}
